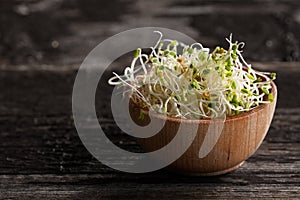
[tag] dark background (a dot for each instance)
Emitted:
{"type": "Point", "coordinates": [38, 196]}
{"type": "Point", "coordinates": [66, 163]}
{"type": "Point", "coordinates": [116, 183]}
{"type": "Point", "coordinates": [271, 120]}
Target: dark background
{"type": "Point", "coordinates": [62, 32]}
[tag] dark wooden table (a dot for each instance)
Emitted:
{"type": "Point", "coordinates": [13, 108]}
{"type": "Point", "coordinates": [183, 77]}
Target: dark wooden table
{"type": "Point", "coordinates": [43, 157]}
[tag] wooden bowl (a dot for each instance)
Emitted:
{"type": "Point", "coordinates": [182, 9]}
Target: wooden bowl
{"type": "Point", "coordinates": [240, 138]}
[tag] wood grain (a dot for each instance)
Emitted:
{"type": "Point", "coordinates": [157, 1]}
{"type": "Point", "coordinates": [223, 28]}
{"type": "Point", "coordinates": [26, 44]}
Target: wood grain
{"type": "Point", "coordinates": [42, 156]}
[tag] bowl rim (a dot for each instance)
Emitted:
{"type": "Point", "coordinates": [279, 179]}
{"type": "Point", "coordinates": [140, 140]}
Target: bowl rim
{"type": "Point", "coordinates": [228, 118]}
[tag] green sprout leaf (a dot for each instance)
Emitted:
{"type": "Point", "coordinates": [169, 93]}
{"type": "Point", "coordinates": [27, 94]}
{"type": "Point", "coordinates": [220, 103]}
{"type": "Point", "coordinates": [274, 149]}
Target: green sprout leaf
{"type": "Point", "coordinates": [172, 53]}
{"type": "Point", "coordinates": [195, 85]}
{"type": "Point", "coordinates": [137, 52]}
{"type": "Point", "coordinates": [250, 76]}
{"type": "Point", "coordinates": [257, 80]}
{"type": "Point", "coordinates": [265, 90]}
{"type": "Point", "coordinates": [273, 76]}
{"type": "Point", "coordinates": [270, 97]}
{"type": "Point", "coordinates": [142, 115]}
{"type": "Point", "coordinates": [245, 91]}
{"type": "Point", "coordinates": [233, 85]}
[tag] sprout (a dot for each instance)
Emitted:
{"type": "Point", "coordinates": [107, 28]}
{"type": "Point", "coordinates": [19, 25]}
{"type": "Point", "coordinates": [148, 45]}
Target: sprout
{"type": "Point", "coordinates": [195, 83]}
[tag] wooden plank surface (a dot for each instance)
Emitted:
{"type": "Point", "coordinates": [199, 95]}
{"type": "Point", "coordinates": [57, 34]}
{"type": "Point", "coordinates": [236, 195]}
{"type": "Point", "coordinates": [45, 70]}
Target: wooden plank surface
{"type": "Point", "coordinates": [43, 157]}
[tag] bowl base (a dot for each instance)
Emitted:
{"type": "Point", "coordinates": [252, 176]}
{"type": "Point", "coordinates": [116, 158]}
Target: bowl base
{"type": "Point", "coordinates": [213, 173]}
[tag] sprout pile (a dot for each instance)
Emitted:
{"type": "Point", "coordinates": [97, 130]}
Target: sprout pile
{"type": "Point", "coordinates": [196, 83]}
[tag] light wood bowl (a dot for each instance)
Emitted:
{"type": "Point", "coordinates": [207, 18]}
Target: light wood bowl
{"type": "Point", "coordinates": [240, 138]}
